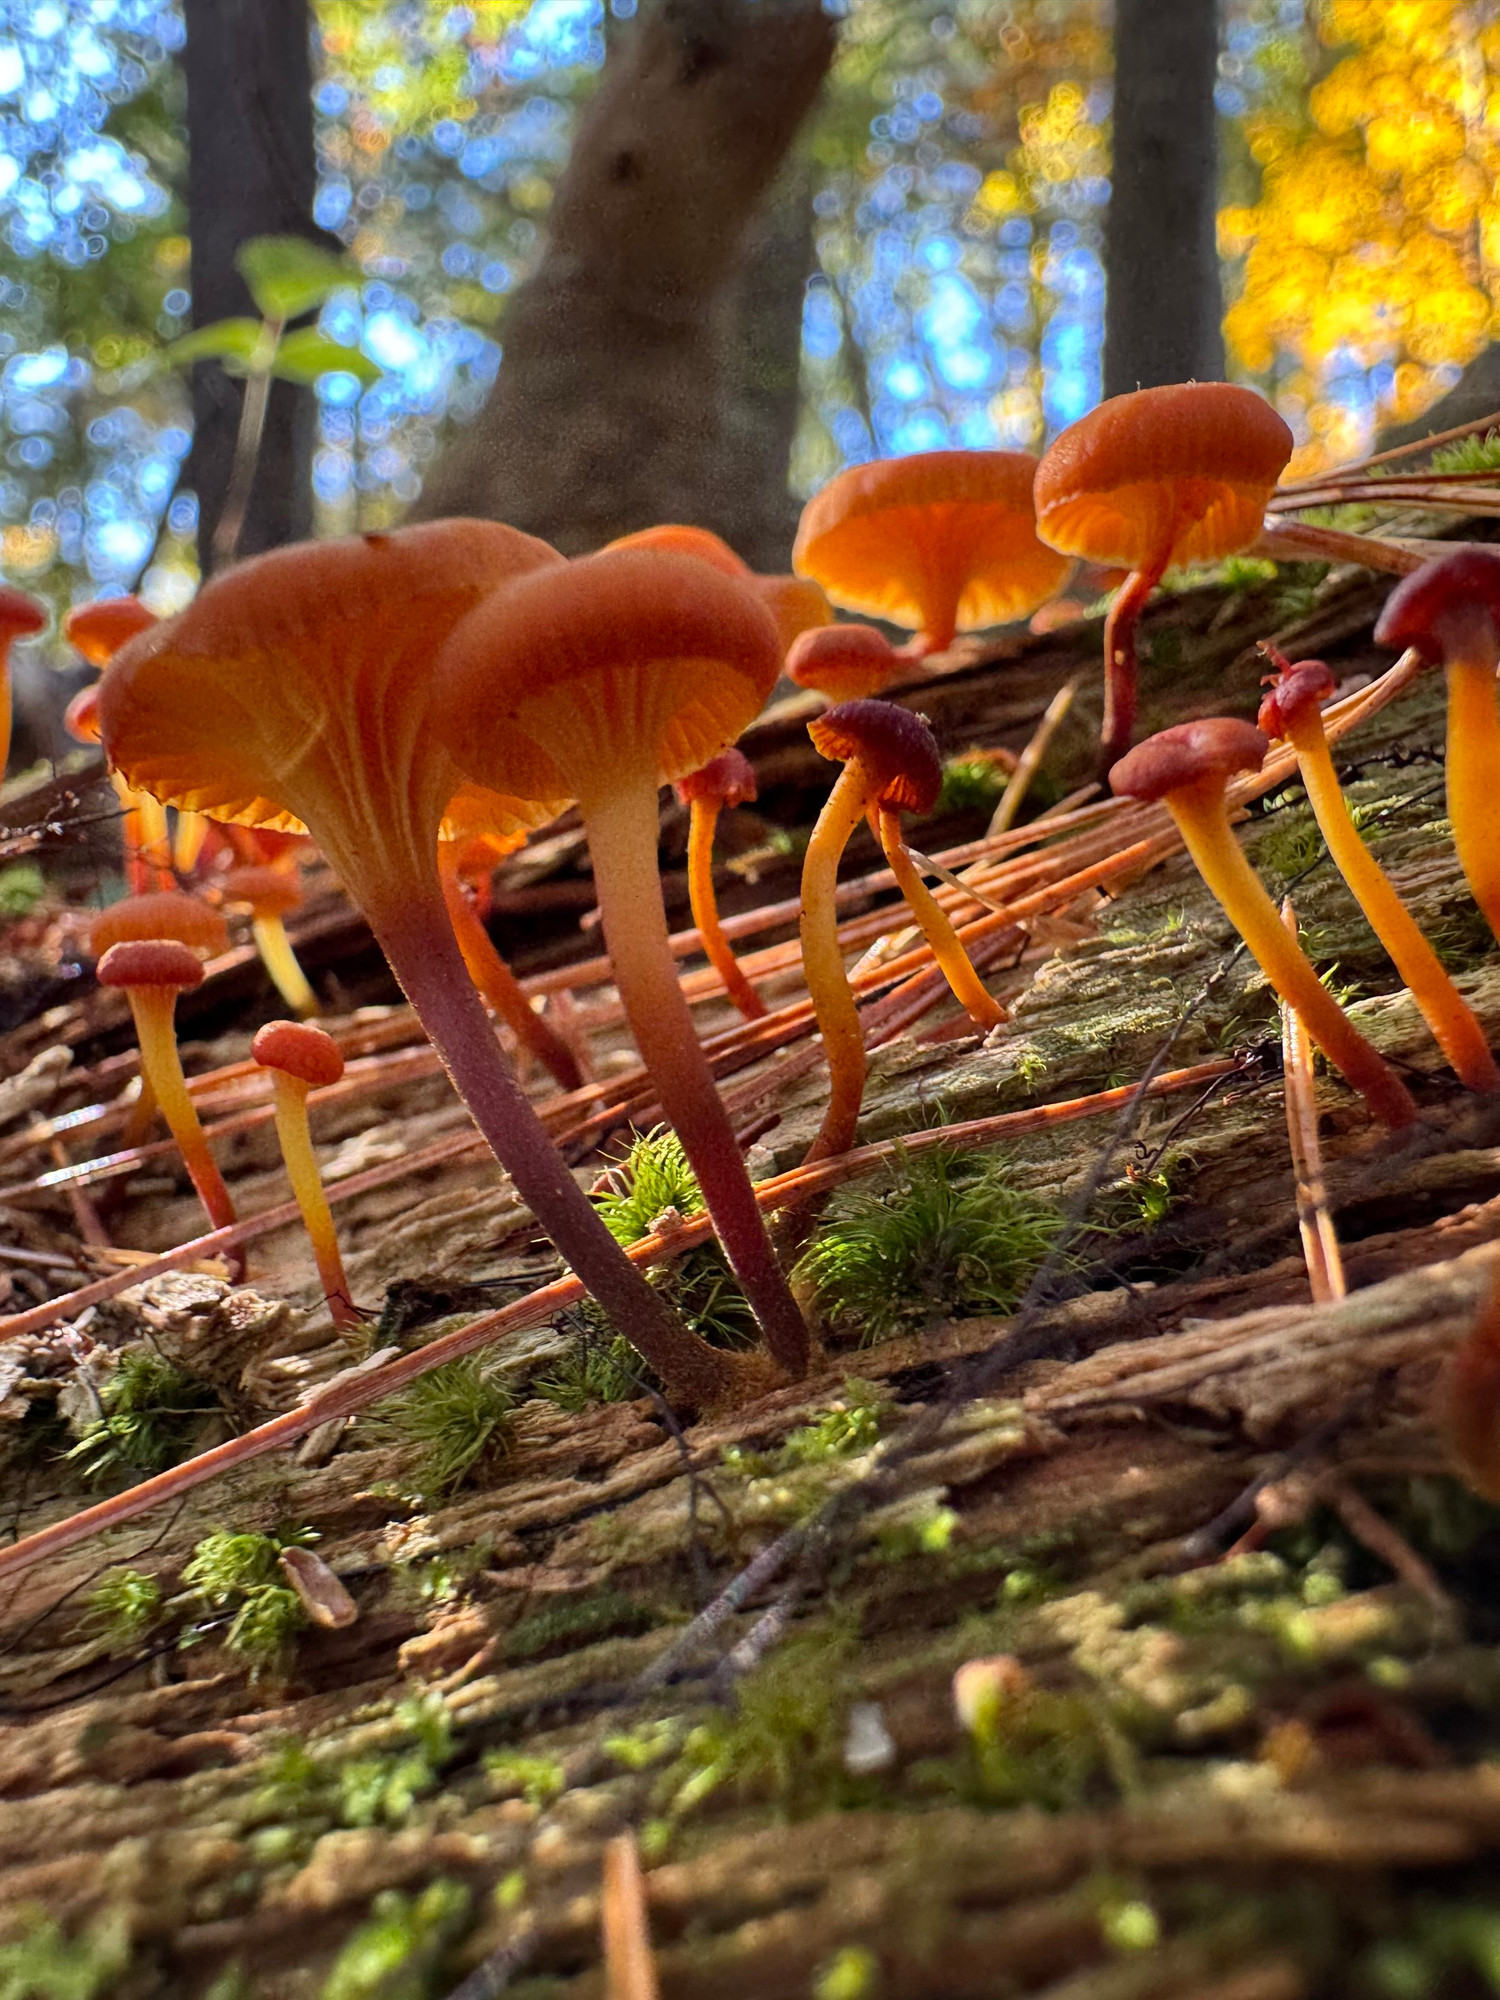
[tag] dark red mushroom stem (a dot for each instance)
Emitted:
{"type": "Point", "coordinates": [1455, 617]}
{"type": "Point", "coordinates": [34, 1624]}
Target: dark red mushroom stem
{"type": "Point", "coordinates": [1121, 674]}
{"type": "Point", "coordinates": [726, 780]}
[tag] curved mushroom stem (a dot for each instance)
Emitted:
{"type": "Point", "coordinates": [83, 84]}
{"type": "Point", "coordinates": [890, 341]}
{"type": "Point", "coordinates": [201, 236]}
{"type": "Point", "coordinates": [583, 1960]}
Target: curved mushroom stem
{"type": "Point", "coordinates": [280, 961]}
{"type": "Point", "coordinates": [501, 989]}
{"type": "Point", "coordinates": [154, 1008]}
{"type": "Point", "coordinates": [187, 841]}
{"type": "Point", "coordinates": [823, 961]}
{"type": "Point", "coordinates": [1473, 761]}
{"type": "Point", "coordinates": [413, 931]}
{"type": "Point", "coordinates": [1452, 1021]}
{"type": "Point", "coordinates": [1119, 660]}
{"type": "Point", "coordinates": [717, 948]}
{"type": "Point", "coordinates": [623, 828]}
{"type": "Point", "coordinates": [143, 835]}
{"type": "Point", "coordinates": [306, 1177]}
{"type": "Point", "coordinates": [947, 948]}
{"type": "Point", "coordinates": [1204, 824]}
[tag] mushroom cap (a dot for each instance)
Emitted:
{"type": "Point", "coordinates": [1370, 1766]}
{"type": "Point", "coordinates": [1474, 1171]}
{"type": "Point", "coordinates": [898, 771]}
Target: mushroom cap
{"type": "Point", "coordinates": [21, 614]}
{"type": "Point", "coordinates": [100, 629]}
{"type": "Point", "coordinates": [499, 823]}
{"type": "Point", "coordinates": [160, 913]}
{"type": "Point", "coordinates": [81, 716]}
{"type": "Point", "coordinates": [796, 603]}
{"type": "Point", "coordinates": [677, 539]}
{"type": "Point", "coordinates": [270, 892]}
{"type": "Point", "coordinates": [1181, 473]}
{"type": "Point", "coordinates": [295, 691]}
{"type": "Point", "coordinates": [150, 962]}
{"type": "Point", "coordinates": [896, 747]}
{"type": "Point", "coordinates": [728, 780]}
{"type": "Point", "coordinates": [845, 662]}
{"type": "Point", "coordinates": [304, 1051]}
{"type": "Point", "coordinates": [1431, 608]}
{"type": "Point", "coordinates": [1188, 754]}
{"type": "Point", "coordinates": [1304, 685]}
{"type": "Point", "coordinates": [637, 661]}
{"type": "Point", "coordinates": [939, 541]}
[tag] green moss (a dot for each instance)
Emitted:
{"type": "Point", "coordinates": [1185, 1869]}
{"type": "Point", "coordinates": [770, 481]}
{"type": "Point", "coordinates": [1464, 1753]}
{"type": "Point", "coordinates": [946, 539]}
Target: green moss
{"type": "Point", "coordinates": [851, 1974]}
{"type": "Point", "coordinates": [399, 1953]}
{"type": "Point", "coordinates": [845, 1429]}
{"type": "Point", "coordinates": [972, 782]}
{"type": "Point", "coordinates": [577, 1621]}
{"type": "Point", "coordinates": [598, 1368]}
{"type": "Point", "coordinates": [22, 888]}
{"type": "Point", "coordinates": [942, 1233]}
{"type": "Point", "coordinates": [514, 1774]}
{"type": "Point", "coordinates": [1468, 454]}
{"type": "Point", "coordinates": [45, 1964]}
{"type": "Point", "coordinates": [242, 1572]}
{"type": "Point", "coordinates": [654, 1176]}
{"type": "Point", "coordinates": [152, 1415]}
{"type": "Point", "coordinates": [456, 1423]}
{"type": "Point", "coordinates": [124, 1605]}
{"type": "Point", "coordinates": [781, 1739]}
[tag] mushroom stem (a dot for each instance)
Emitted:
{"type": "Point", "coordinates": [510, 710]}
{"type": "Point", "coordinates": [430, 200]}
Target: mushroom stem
{"type": "Point", "coordinates": [187, 842]}
{"type": "Point", "coordinates": [623, 828]}
{"type": "Point", "coordinates": [412, 929]}
{"type": "Point", "coordinates": [717, 948]}
{"type": "Point", "coordinates": [1452, 1021]}
{"type": "Point", "coordinates": [154, 1008]}
{"type": "Point", "coordinates": [143, 835]}
{"type": "Point", "coordinates": [1120, 678]}
{"type": "Point", "coordinates": [947, 949]}
{"type": "Point", "coordinates": [1204, 825]}
{"type": "Point", "coordinates": [823, 961]}
{"type": "Point", "coordinates": [500, 987]}
{"type": "Point", "coordinates": [306, 1177]}
{"type": "Point", "coordinates": [1473, 754]}
{"type": "Point", "coordinates": [280, 961]}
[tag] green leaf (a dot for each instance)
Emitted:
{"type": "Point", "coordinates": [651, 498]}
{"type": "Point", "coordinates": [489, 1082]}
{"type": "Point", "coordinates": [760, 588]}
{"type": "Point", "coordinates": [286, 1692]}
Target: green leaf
{"type": "Point", "coordinates": [306, 354]}
{"type": "Point", "coordinates": [288, 276]}
{"type": "Point", "coordinates": [232, 341]}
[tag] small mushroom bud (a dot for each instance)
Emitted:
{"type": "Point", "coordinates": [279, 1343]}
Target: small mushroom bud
{"type": "Point", "coordinates": [271, 894]}
{"type": "Point", "coordinates": [301, 1058]}
{"type": "Point", "coordinates": [322, 1596]}
{"type": "Point", "coordinates": [725, 780]}
{"type": "Point", "coordinates": [846, 662]}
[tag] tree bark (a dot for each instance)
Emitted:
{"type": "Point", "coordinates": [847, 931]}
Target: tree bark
{"type": "Point", "coordinates": [1163, 304]}
{"type": "Point", "coordinates": [251, 172]}
{"type": "Point", "coordinates": [608, 413]}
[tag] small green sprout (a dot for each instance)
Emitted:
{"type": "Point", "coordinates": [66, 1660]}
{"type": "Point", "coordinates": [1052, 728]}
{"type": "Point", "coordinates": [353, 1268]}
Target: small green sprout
{"type": "Point", "coordinates": [241, 1570]}
{"type": "Point", "coordinates": [456, 1420]}
{"type": "Point", "coordinates": [153, 1412]}
{"type": "Point", "coordinates": [972, 782]}
{"type": "Point", "coordinates": [538, 1780]}
{"type": "Point", "coordinates": [653, 1177]}
{"type": "Point", "coordinates": [398, 1954]}
{"type": "Point", "coordinates": [851, 1974]}
{"type": "Point", "coordinates": [124, 1605]}
{"type": "Point", "coordinates": [946, 1233]}
{"type": "Point", "coordinates": [1468, 454]}
{"type": "Point", "coordinates": [21, 889]}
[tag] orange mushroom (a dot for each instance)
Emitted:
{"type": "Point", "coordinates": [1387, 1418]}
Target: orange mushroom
{"type": "Point", "coordinates": [1179, 474]}
{"type": "Point", "coordinates": [891, 764]}
{"type": "Point", "coordinates": [598, 682]}
{"type": "Point", "coordinates": [271, 894]}
{"type": "Point", "coordinates": [941, 542]}
{"type": "Point", "coordinates": [796, 604]}
{"type": "Point", "coordinates": [466, 859]}
{"type": "Point", "coordinates": [98, 631]}
{"type": "Point", "coordinates": [301, 1058]}
{"type": "Point", "coordinates": [725, 780]}
{"type": "Point", "coordinates": [1292, 709]}
{"type": "Point", "coordinates": [156, 913]}
{"type": "Point", "coordinates": [846, 662]}
{"type": "Point", "coordinates": [152, 972]}
{"type": "Point", "coordinates": [21, 617]}
{"type": "Point", "coordinates": [1187, 768]}
{"type": "Point", "coordinates": [295, 693]}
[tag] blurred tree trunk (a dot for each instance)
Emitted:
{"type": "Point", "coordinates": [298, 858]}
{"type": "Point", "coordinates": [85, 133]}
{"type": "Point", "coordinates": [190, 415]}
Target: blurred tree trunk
{"type": "Point", "coordinates": [1475, 394]}
{"type": "Point", "coordinates": [632, 390]}
{"type": "Point", "coordinates": [1163, 305]}
{"type": "Point", "coordinates": [251, 172]}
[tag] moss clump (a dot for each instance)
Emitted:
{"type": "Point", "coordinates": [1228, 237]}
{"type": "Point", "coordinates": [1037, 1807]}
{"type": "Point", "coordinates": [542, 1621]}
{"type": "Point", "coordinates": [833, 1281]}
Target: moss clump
{"type": "Point", "coordinates": [22, 889]}
{"type": "Point", "coordinates": [945, 1233]}
{"type": "Point", "coordinates": [42, 1963]}
{"type": "Point", "coordinates": [845, 1429]}
{"type": "Point", "coordinates": [1469, 454]}
{"type": "Point", "coordinates": [972, 782]}
{"type": "Point", "coordinates": [151, 1416]}
{"type": "Point", "coordinates": [399, 1953]}
{"type": "Point", "coordinates": [781, 1739]}
{"type": "Point", "coordinates": [124, 1605]}
{"type": "Point", "coordinates": [456, 1423]}
{"type": "Point", "coordinates": [242, 1573]}
{"type": "Point", "coordinates": [601, 1614]}
{"type": "Point", "coordinates": [514, 1774]}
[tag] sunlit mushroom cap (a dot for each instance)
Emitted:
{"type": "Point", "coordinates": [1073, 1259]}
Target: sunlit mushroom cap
{"type": "Point", "coordinates": [296, 689]}
{"type": "Point", "coordinates": [20, 614]}
{"type": "Point", "coordinates": [1431, 608]}
{"type": "Point", "coordinates": [269, 892]}
{"type": "Point", "coordinates": [1184, 471]}
{"type": "Point", "coordinates": [796, 603]}
{"type": "Point", "coordinates": [100, 629]}
{"type": "Point", "coordinates": [81, 716]}
{"type": "Point", "coordinates": [304, 1051]}
{"type": "Point", "coordinates": [160, 913]}
{"type": "Point", "coordinates": [500, 824]}
{"type": "Point", "coordinates": [727, 780]}
{"type": "Point", "coordinates": [677, 539]}
{"type": "Point", "coordinates": [1301, 687]}
{"type": "Point", "coordinates": [896, 747]}
{"type": "Point", "coordinates": [845, 662]}
{"type": "Point", "coordinates": [942, 541]}
{"type": "Point", "coordinates": [150, 962]}
{"type": "Point", "coordinates": [1190, 753]}
{"type": "Point", "coordinates": [636, 660]}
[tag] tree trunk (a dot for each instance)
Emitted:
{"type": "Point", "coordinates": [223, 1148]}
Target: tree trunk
{"type": "Point", "coordinates": [1163, 304]}
{"type": "Point", "coordinates": [1475, 394]}
{"type": "Point", "coordinates": [251, 172]}
{"type": "Point", "coordinates": [608, 413]}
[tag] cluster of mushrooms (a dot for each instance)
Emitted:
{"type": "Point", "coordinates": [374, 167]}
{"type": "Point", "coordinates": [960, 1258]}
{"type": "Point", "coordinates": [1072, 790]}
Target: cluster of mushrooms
{"type": "Point", "coordinates": [417, 702]}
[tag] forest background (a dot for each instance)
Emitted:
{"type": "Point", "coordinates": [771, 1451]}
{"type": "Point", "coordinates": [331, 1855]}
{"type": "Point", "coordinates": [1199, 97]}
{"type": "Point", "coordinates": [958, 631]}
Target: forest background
{"type": "Point", "coordinates": [927, 268]}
